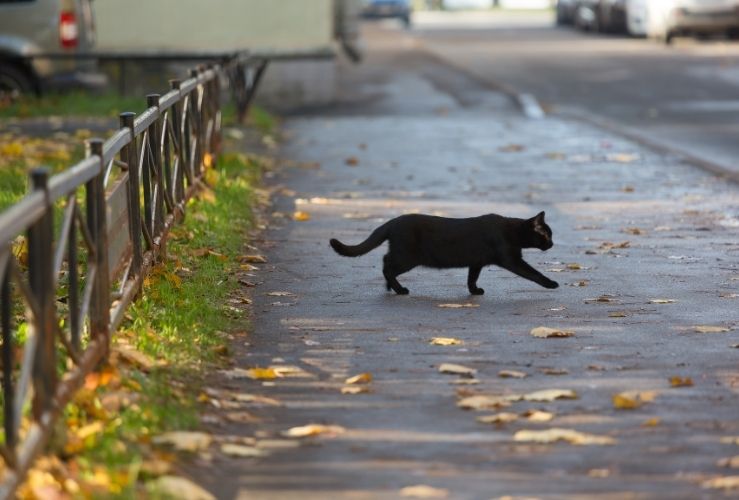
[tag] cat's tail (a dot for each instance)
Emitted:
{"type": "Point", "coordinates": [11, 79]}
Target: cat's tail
{"type": "Point", "coordinates": [375, 239]}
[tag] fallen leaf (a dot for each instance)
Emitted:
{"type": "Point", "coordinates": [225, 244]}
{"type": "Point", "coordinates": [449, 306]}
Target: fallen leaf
{"type": "Point", "coordinates": [544, 332]}
{"type": "Point", "coordinates": [599, 473]}
{"type": "Point", "coordinates": [662, 301]}
{"type": "Point", "coordinates": [355, 389]}
{"type": "Point", "coordinates": [457, 306]}
{"type": "Point", "coordinates": [574, 267]}
{"type": "Point", "coordinates": [730, 440]}
{"type": "Point", "coordinates": [238, 450]}
{"type": "Point", "coordinates": [352, 161]}
{"type": "Point", "coordinates": [630, 400]}
{"type": "Point", "coordinates": [423, 491]}
{"type": "Point", "coordinates": [556, 156]}
{"type": "Point", "coordinates": [721, 483]}
{"type": "Point", "coordinates": [301, 216]}
{"type": "Point", "coordinates": [511, 374]}
{"type": "Point", "coordinates": [184, 440]}
{"type": "Point", "coordinates": [180, 488]}
{"type": "Point", "coordinates": [652, 422]}
{"type": "Point", "coordinates": [567, 435]}
{"type": "Point", "coordinates": [511, 148]}
{"type": "Point", "coordinates": [555, 371]}
{"type": "Point", "coordinates": [362, 378]}
{"type": "Point", "coordinates": [453, 369]}
{"type": "Point", "coordinates": [465, 381]}
{"type": "Point", "coordinates": [730, 462]}
{"type": "Point", "coordinates": [313, 430]}
{"type": "Point", "coordinates": [155, 467]}
{"type": "Point", "coordinates": [622, 157]}
{"type": "Point", "coordinates": [262, 373]}
{"type": "Point", "coordinates": [253, 259]}
{"type": "Point", "coordinates": [280, 294]}
{"type": "Point", "coordinates": [617, 314]}
{"type": "Point", "coordinates": [242, 417]}
{"type": "Point", "coordinates": [681, 381]}
{"type": "Point", "coordinates": [634, 230]}
{"type": "Point", "coordinates": [607, 246]}
{"type": "Point", "coordinates": [481, 402]}
{"type": "Point", "coordinates": [711, 329]}
{"type": "Point", "coordinates": [134, 357]}
{"type": "Point", "coordinates": [550, 395]}
{"type": "Point", "coordinates": [498, 418]}
{"type": "Point", "coordinates": [255, 399]}
{"type": "Point", "coordinates": [445, 341]}
{"type": "Point", "coordinates": [538, 415]}
{"type": "Point", "coordinates": [290, 371]}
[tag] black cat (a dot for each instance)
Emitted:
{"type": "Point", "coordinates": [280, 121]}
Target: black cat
{"type": "Point", "coordinates": [441, 242]}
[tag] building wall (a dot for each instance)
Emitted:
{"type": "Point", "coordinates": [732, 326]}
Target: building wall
{"type": "Point", "coordinates": [213, 25]}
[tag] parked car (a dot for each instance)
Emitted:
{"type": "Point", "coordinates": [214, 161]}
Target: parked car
{"type": "Point", "coordinates": [636, 17]}
{"type": "Point", "coordinates": [565, 12]}
{"type": "Point", "coordinates": [382, 9]}
{"type": "Point", "coordinates": [587, 14]}
{"type": "Point", "coordinates": [665, 19]}
{"type": "Point", "coordinates": [612, 16]}
{"type": "Point", "coordinates": [30, 27]}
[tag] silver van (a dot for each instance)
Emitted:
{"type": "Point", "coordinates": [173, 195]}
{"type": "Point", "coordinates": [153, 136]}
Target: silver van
{"type": "Point", "coordinates": [58, 27]}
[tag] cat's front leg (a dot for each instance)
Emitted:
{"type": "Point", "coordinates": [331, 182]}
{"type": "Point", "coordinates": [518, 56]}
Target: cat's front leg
{"type": "Point", "coordinates": [523, 269]}
{"type": "Point", "coordinates": [472, 276]}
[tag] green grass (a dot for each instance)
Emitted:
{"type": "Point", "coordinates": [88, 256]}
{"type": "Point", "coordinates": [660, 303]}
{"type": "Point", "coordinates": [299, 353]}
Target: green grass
{"type": "Point", "coordinates": [72, 104]}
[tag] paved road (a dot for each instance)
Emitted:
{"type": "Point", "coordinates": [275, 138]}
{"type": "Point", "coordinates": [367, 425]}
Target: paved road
{"type": "Point", "coordinates": [421, 137]}
{"type": "Point", "coordinates": [685, 95]}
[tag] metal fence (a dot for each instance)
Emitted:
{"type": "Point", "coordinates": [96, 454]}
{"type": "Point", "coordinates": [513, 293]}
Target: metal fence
{"type": "Point", "coordinates": [65, 285]}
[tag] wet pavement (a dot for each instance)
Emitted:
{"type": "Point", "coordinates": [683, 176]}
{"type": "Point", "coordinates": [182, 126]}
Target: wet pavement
{"type": "Point", "coordinates": [631, 228]}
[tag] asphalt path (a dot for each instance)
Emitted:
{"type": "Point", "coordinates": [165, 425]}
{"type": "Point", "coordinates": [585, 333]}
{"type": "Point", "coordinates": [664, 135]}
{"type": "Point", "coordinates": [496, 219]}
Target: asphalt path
{"type": "Point", "coordinates": [685, 96]}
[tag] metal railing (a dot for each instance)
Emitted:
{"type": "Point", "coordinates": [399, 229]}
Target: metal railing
{"type": "Point", "coordinates": [65, 286]}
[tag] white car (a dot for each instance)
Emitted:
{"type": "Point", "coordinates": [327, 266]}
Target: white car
{"type": "Point", "coordinates": [665, 19]}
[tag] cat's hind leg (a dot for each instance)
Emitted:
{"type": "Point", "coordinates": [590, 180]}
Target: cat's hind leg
{"type": "Point", "coordinates": [472, 276]}
{"type": "Point", "coordinates": [391, 271]}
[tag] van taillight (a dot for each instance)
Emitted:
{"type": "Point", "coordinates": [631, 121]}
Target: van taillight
{"type": "Point", "coordinates": [68, 31]}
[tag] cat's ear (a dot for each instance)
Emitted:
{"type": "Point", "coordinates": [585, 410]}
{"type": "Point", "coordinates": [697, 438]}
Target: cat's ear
{"type": "Point", "coordinates": [539, 219]}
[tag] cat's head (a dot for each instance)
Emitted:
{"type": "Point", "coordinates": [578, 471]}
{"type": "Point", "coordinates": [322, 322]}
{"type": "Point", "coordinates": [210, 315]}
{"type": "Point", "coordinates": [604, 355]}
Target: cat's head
{"type": "Point", "coordinates": [541, 234]}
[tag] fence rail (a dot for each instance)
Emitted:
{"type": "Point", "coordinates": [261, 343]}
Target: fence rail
{"type": "Point", "coordinates": [64, 287]}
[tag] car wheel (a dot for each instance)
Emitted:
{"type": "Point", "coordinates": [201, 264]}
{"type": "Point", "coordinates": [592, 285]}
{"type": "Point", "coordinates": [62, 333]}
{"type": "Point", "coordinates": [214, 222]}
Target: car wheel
{"type": "Point", "coordinates": [14, 81]}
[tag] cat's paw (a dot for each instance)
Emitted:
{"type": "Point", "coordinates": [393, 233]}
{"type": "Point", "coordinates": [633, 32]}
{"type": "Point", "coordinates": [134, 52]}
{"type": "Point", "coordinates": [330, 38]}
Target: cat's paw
{"type": "Point", "coordinates": [477, 291]}
{"type": "Point", "coordinates": [551, 285]}
{"type": "Point", "coordinates": [402, 291]}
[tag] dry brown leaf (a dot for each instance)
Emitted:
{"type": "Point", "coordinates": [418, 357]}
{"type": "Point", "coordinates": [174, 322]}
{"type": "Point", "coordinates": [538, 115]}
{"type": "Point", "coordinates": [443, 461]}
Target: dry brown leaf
{"type": "Point", "coordinates": [729, 462]}
{"type": "Point", "coordinates": [555, 371]}
{"type": "Point", "coordinates": [352, 161]}
{"type": "Point", "coordinates": [458, 306]}
{"type": "Point", "coordinates": [681, 381]}
{"type": "Point", "coordinates": [362, 378]}
{"type": "Point", "coordinates": [730, 440]}
{"type": "Point", "coordinates": [242, 417]}
{"type": "Point", "coordinates": [355, 389]}
{"type": "Point", "coordinates": [550, 395]}
{"type": "Point", "coordinates": [722, 483]}
{"type": "Point", "coordinates": [301, 216]}
{"type": "Point", "coordinates": [313, 430]}
{"type": "Point", "coordinates": [538, 415]}
{"type": "Point", "coordinates": [445, 341]}
{"type": "Point", "coordinates": [135, 358]}
{"type": "Point", "coordinates": [617, 314]}
{"type": "Point", "coordinates": [567, 435]}
{"type": "Point", "coordinates": [255, 399]}
{"type": "Point", "coordinates": [253, 259]}
{"type": "Point", "coordinates": [511, 374]}
{"type": "Point", "coordinates": [184, 440]}
{"type": "Point", "coordinates": [452, 369]}
{"type": "Point", "coordinates": [498, 418]}
{"type": "Point", "coordinates": [631, 400]}
{"type": "Point", "coordinates": [482, 402]}
{"type": "Point", "coordinates": [180, 488]}
{"type": "Point", "coordinates": [574, 267]}
{"type": "Point", "coordinates": [544, 332]}
{"type": "Point", "coordinates": [238, 450]}
{"type": "Point", "coordinates": [652, 422]}
{"type": "Point", "coordinates": [711, 329]}
{"type": "Point", "coordinates": [423, 491]}
{"type": "Point", "coordinates": [511, 148]}
{"type": "Point", "coordinates": [599, 473]}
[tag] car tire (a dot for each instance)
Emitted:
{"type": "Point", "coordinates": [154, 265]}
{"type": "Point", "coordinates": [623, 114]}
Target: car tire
{"type": "Point", "coordinates": [14, 80]}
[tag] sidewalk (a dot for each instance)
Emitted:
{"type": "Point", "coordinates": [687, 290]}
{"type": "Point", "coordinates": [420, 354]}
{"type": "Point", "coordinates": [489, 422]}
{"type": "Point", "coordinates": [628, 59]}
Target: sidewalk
{"type": "Point", "coordinates": [412, 135]}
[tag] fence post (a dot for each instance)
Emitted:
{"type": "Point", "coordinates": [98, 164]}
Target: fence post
{"type": "Point", "coordinates": [196, 116]}
{"type": "Point", "coordinates": [134, 197]}
{"type": "Point", "coordinates": [97, 225]}
{"type": "Point", "coordinates": [179, 180]}
{"type": "Point", "coordinates": [41, 279]}
{"type": "Point", "coordinates": [9, 423]}
{"type": "Point", "coordinates": [155, 137]}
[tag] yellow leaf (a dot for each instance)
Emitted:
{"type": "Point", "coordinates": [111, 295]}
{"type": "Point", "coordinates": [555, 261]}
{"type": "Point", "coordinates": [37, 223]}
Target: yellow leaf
{"type": "Point", "coordinates": [452, 369]}
{"type": "Point", "coordinates": [89, 430]}
{"type": "Point", "coordinates": [511, 374]}
{"type": "Point", "coordinates": [544, 332]}
{"type": "Point", "coordinates": [681, 381]}
{"type": "Point", "coordinates": [423, 491]}
{"type": "Point", "coordinates": [550, 395]}
{"type": "Point", "coordinates": [729, 462]}
{"type": "Point", "coordinates": [301, 216]}
{"type": "Point", "coordinates": [574, 267]}
{"type": "Point", "coordinates": [566, 435]}
{"type": "Point", "coordinates": [445, 341]}
{"type": "Point", "coordinates": [722, 483]}
{"type": "Point", "coordinates": [184, 440]}
{"type": "Point", "coordinates": [482, 402]}
{"type": "Point", "coordinates": [261, 373]}
{"type": "Point", "coordinates": [652, 422]}
{"type": "Point", "coordinates": [538, 415]}
{"type": "Point", "coordinates": [208, 160]}
{"type": "Point", "coordinates": [313, 430]}
{"type": "Point", "coordinates": [355, 389]}
{"type": "Point", "coordinates": [362, 378]}
{"type": "Point", "coordinates": [498, 418]}
{"type": "Point", "coordinates": [630, 400]}
{"type": "Point", "coordinates": [730, 440]}
{"type": "Point", "coordinates": [179, 487]}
